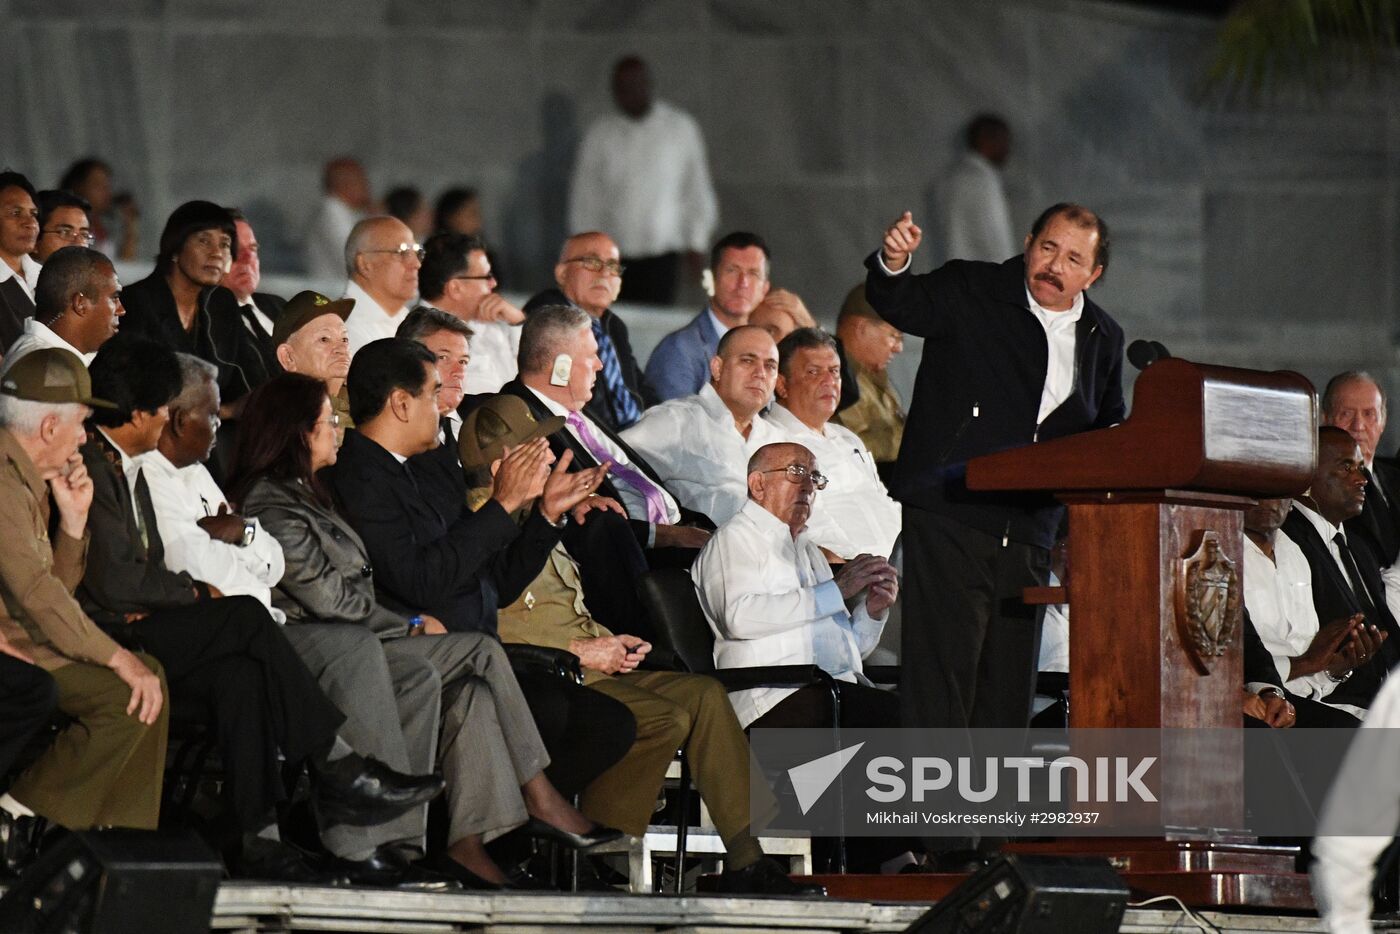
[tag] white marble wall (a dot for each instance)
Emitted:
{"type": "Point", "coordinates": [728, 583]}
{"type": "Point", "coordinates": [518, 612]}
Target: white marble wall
{"type": "Point", "coordinates": [1261, 235]}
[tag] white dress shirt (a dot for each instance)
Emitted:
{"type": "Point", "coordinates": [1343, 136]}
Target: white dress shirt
{"type": "Point", "coordinates": [646, 182]}
{"type": "Point", "coordinates": [183, 496]}
{"type": "Point", "coordinates": [1059, 369]}
{"type": "Point", "coordinates": [1344, 867]}
{"type": "Point", "coordinates": [326, 236]}
{"type": "Point", "coordinates": [369, 321]}
{"type": "Point", "coordinates": [978, 219]}
{"type": "Point", "coordinates": [495, 346]}
{"type": "Point", "coordinates": [29, 280]}
{"type": "Point", "coordinates": [694, 446]}
{"type": "Point", "coordinates": [38, 336]}
{"type": "Point", "coordinates": [1279, 597]}
{"type": "Point", "coordinates": [854, 514]}
{"type": "Point", "coordinates": [1054, 635]}
{"type": "Point", "coordinates": [771, 600]}
{"type": "Point", "coordinates": [633, 500]}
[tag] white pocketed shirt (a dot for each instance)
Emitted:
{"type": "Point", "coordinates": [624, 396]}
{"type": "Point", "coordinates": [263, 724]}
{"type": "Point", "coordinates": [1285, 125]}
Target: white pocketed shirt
{"type": "Point", "coordinates": [645, 182]}
{"type": "Point", "coordinates": [184, 495]}
{"type": "Point", "coordinates": [694, 446]}
{"type": "Point", "coordinates": [772, 600]}
{"type": "Point", "coordinates": [369, 321]}
{"type": "Point", "coordinates": [855, 513]}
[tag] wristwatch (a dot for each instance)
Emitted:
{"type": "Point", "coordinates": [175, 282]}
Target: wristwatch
{"type": "Point", "coordinates": [250, 531]}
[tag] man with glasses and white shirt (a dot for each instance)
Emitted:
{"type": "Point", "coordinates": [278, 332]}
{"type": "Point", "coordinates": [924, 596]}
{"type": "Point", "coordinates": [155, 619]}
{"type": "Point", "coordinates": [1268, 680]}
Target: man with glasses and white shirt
{"type": "Point", "coordinates": [382, 260]}
{"type": "Point", "coordinates": [771, 599]}
{"type": "Point", "coordinates": [63, 221]}
{"type": "Point", "coordinates": [456, 277]}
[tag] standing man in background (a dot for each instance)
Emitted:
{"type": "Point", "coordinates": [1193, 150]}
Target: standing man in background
{"type": "Point", "coordinates": [642, 176]}
{"type": "Point", "coordinates": [1014, 353]}
{"type": "Point", "coordinates": [978, 220]}
{"type": "Point", "coordinates": [346, 200]}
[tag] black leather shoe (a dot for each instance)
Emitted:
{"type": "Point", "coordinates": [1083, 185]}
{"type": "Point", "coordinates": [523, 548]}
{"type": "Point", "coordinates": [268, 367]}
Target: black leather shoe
{"type": "Point", "coordinates": [542, 830]}
{"type": "Point", "coordinates": [275, 861]}
{"type": "Point", "coordinates": [19, 843]}
{"type": "Point", "coordinates": [764, 877]}
{"type": "Point", "coordinates": [386, 868]}
{"type": "Point", "coordinates": [363, 791]}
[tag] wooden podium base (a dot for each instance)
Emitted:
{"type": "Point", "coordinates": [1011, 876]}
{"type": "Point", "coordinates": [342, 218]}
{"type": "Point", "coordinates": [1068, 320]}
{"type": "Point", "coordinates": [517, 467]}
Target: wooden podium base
{"type": "Point", "coordinates": [1202, 874]}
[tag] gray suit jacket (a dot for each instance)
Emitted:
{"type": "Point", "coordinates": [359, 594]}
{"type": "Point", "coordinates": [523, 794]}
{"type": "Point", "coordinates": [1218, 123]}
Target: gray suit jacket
{"type": "Point", "coordinates": [328, 577]}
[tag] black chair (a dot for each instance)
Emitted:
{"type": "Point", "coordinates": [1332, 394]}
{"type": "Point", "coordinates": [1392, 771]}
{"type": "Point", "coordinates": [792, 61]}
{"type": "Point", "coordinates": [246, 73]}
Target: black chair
{"type": "Point", "coordinates": [683, 633]}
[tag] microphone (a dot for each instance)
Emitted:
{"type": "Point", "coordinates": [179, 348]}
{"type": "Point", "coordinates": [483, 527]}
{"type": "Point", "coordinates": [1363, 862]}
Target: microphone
{"type": "Point", "coordinates": [1142, 354]}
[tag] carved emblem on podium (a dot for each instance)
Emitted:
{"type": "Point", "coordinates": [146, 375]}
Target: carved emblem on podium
{"type": "Point", "coordinates": [1207, 602]}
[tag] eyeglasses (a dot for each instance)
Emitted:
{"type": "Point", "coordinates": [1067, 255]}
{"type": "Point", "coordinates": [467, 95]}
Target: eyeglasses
{"type": "Point", "coordinates": [333, 421]}
{"type": "Point", "coordinates": [594, 264]}
{"type": "Point", "coordinates": [489, 277]}
{"type": "Point", "coordinates": [799, 474]}
{"type": "Point", "coordinates": [71, 234]}
{"type": "Point", "coordinates": [403, 251]}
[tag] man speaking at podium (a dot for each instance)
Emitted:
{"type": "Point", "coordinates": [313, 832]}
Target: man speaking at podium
{"type": "Point", "coordinates": [1014, 353]}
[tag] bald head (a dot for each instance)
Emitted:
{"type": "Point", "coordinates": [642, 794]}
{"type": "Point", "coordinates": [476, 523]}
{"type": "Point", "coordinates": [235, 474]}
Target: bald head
{"type": "Point", "coordinates": [589, 271]}
{"type": "Point", "coordinates": [381, 256]}
{"type": "Point", "coordinates": [743, 372]}
{"type": "Point", "coordinates": [783, 480]}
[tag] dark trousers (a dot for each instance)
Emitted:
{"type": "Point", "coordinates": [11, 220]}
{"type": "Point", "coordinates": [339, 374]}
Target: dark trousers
{"type": "Point", "coordinates": [28, 698]}
{"type": "Point", "coordinates": [584, 731]}
{"type": "Point", "coordinates": [651, 280]}
{"type": "Point", "coordinates": [810, 707]}
{"type": "Point", "coordinates": [228, 660]}
{"type": "Point", "coordinates": [969, 643]}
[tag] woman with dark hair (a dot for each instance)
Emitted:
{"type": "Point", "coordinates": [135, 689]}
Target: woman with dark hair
{"type": "Point", "coordinates": [484, 735]}
{"type": "Point", "coordinates": [182, 305]}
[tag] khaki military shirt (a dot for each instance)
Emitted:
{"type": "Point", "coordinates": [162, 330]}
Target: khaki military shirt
{"type": "Point", "coordinates": [878, 417]}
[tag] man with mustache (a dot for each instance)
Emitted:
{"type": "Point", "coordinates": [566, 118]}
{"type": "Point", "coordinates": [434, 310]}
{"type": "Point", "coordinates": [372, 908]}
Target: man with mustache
{"type": "Point", "coordinates": [1013, 353]}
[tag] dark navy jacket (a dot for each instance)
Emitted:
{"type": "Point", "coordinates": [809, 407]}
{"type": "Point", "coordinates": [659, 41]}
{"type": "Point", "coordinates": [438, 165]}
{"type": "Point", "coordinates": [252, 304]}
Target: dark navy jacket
{"type": "Point", "coordinates": [979, 385]}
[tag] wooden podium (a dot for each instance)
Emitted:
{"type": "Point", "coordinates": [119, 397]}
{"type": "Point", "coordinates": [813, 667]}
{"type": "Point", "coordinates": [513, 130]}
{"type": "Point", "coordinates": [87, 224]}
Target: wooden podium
{"type": "Point", "coordinates": [1156, 560]}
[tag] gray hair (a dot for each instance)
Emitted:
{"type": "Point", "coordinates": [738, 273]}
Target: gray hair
{"type": "Point", "coordinates": [425, 321]}
{"type": "Point", "coordinates": [802, 339]}
{"type": "Point", "coordinates": [23, 416]}
{"type": "Point", "coordinates": [195, 375]}
{"type": "Point", "coordinates": [547, 333]}
{"type": "Point", "coordinates": [1335, 384]}
{"type": "Point", "coordinates": [355, 243]}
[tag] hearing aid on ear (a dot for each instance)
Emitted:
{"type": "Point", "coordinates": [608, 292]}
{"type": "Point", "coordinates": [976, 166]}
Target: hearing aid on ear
{"type": "Point", "coordinates": [563, 364]}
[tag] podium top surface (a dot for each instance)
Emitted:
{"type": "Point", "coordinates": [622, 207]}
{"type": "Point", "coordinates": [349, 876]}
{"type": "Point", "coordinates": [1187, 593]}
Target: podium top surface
{"type": "Point", "coordinates": [1193, 427]}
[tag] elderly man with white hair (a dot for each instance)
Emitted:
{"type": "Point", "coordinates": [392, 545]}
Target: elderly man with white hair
{"type": "Point", "coordinates": [105, 768]}
{"type": "Point", "coordinates": [382, 260]}
{"type": "Point", "coordinates": [771, 599]}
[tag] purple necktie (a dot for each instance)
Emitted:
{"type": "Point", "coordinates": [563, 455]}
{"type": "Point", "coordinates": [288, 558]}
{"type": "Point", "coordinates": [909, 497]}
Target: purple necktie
{"type": "Point", "coordinates": [656, 502]}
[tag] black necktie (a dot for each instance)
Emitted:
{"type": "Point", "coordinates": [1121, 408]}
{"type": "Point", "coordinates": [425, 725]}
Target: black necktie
{"type": "Point", "coordinates": [254, 324]}
{"type": "Point", "coordinates": [1358, 583]}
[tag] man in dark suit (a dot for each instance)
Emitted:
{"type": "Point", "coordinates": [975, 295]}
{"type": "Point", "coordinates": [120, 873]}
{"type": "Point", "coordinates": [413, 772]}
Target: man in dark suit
{"type": "Point", "coordinates": [1015, 353]}
{"type": "Point", "coordinates": [589, 275]}
{"type": "Point", "coordinates": [1346, 578]}
{"type": "Point", "coordinates": [223, 656]}
{"type": "Point", "coordinates": [19, 273]}
{"type": "Point", "coordinates": [1355, 402]}
{"type": "Point", "coordinates": [432, 554]}
{"type": "Point", "coordinates": [259, 310]}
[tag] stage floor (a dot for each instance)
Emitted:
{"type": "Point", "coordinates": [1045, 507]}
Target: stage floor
{"type": "Point", "coordinates": [249, 907]}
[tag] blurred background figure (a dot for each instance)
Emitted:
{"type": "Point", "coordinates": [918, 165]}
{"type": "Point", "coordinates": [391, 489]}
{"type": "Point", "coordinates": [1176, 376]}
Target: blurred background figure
{"type": "Point", "coordinates": [978, 218]}
{"type": "Point", "coordinates": [115, 218]}
{"type": "Point", "coordinates": [346, 200]}
{"type": "Point", "coordinates": [642, 176]}
{"type": "Point", "coordinates": [408, 204]}
{"type": "Point", "coordinates": [458, 210]}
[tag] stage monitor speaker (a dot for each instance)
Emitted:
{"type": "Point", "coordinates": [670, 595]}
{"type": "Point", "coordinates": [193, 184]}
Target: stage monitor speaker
{"type": "Point", "coordinates": [115, 882]}
{"type": "Point", "coordinates": [1032, 895]}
